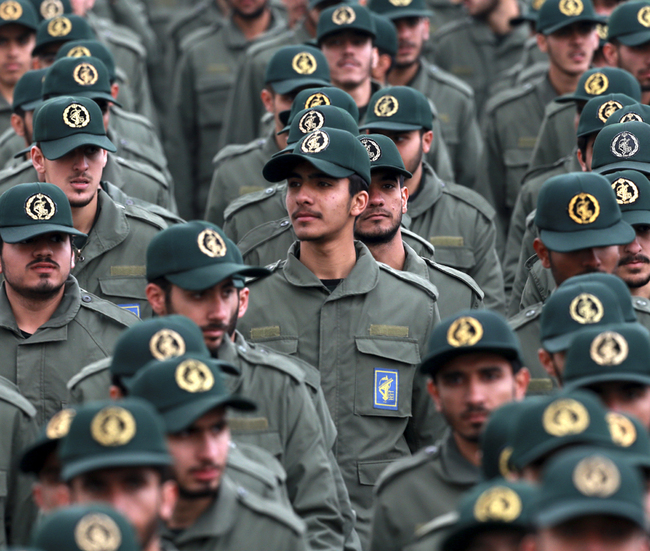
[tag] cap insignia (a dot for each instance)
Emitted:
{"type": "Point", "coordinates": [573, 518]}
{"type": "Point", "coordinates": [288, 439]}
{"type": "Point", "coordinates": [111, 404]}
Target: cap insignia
{"type": "Point", "coordinates": [504, 462]}
{"type": "Point", "coordinates": [609, 348]}
{"type": "Point", "coordinates": [596, 476]}
{"type": "Point", "coordinates": [315, 143]}
{"type": "Point", "coordinates": [537, 4]}
{"type": "Point", "coordinates": [626, 191]}
{"type": "Point", "coordinates": [497, 504]}
{"type": "Point", "coordinates": [631, 117]}
{"type": "Point", "coordinates": [596, 84]}
{"type": "Point", "coordinates": [625, 144]}
{"type": "Point", "coordinates": [304, 63]}
{"type": "Point", "coordinates": [644, 16]}
{"type": "Point", "coordinates": [387, 106]}
{"type": "Point", "coordinates": [11, 10]}
{"type": "Point", "coordinates": [51, 8]}
{"type": "Point", "coordinates": [622, 429]}
{"type": "Point", "coordinates": [85, 74]}
{"type": "Point", "coordinates": [607, 109]}
{"type": "Point", "coordinates": [564, 417]}
{"type": "Point", "coordinates": [97, 532]}
{"type": "Point", "coordinates": [465, 331]}
{"type": "Point", "coordinates": [571, 8]}
{"type": "Point", "coordinates": [400, 3]}
{"type": "Point", "coordinates": [79, 51]}
{"type": "Point", "coordinates": [317, 99]}
{"type": "Point", "coordinates": [194, 376]}
{"type": "Point", "coordinates": [586, 308]}
{"type": "Point", "coordinates": [310, 121]}
{"type": "Point", "coordinates": [59, 26]}
{"type": "Point", "coordinates": [40, 207]}
{"type": "Point", "coordinates": [211, 243]}
{"type": "Point", "coordinates": [583, 208]}
{"type": "Point", "coordinates": [373, 149]}
{"type": "Point", "coordinates": [344, 15]}
{"type": "Point", "coordinates": [166, 344]}
{"type": "Point", "coordinates": [76, 116]}
{"type": "Point", "coordinates": [113, 426]}
{"type": "Point", "coordinates": [602, 31]}
{"type": "Point", "coordinates": [59, 425]}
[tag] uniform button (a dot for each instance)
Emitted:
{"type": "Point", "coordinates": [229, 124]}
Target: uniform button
{"type": "Point", "coordinates": [241, 492]}
{"type": "Point", "coordinates": [87, 298]}
{"type": "Point", "coordinates": [284, 223]}
{"type": "Point", "coordinates": [241, 349]}
{"type": "Point", "coordinates": [123, 141]}
{"type": "Point", "coordinates": [530, 313]}
{"type": "Point", "coordinates": [129, 202]}
{"type": "Point", "coordinates": [641, 302]}
{"type": "Point", "coordinates": [268, 190]}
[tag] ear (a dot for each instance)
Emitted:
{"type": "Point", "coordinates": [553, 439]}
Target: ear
{"type": "Point", "coordinates": [542, 252]}
{"type": "Point", "coordinates": [105, 157]}
{"type": "Point", "coordinates": [426, 28]}
{"type": "Point", "coordinates": [18, 124]}
{"type": "Point", "coordinates": [405, 199]}
{"type": "Point", "coordinates": [169, 497]}
{"type": "Point", "coordinates": [115, 90]}
{"type": "Point", "coordinates": [547, 362]}
{"type": "Point", "coordinates": [156, 297]}
{"type": "Point", "coordinates": [267, 100]}
{"type": "Point", "coordinates": [610, 53]}
{"type": "Point", "coordinates": [73, 259]}
{"type": "Point", "coordinates": [359, 203]}
{"type": "Point", "coordinates": [243, 302]}
{"type": "Point", "coordinates": [375, 58]}
{"type": "Point", "coordinates": [115, 393]}
{"type": "Point", "coordinates": [542, 43]}
{"type": "Point", "coordinates": [427, 140]}
{"type": "Point", "coordinates": [38, 160]}
{"type": "Point", "coordinates": [522, 378]}
{"type": "Point", "coordinates": [432, 389]}
{"type": "Point", "coordinates": [581, 160]}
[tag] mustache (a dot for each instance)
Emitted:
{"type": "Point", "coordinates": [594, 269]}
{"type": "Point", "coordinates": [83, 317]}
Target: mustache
{"type": "Point", "coordinates": [43, 261]}
{"type": "Point", "coordinates": [214, 326]}
{"type": "Point", "coordinates": [633, 258]}
{"type": "Point", "coordinates": [471, 410]}
{"type": "Point", "coordinates": [371, 212]}
{"type": "Point", "coordinates": [308, 212]}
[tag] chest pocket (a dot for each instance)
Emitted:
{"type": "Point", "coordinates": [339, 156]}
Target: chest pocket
{"type": "Point", "coordinates": [250, 430]}
{"type": "Point", "coordinates": [384, 376]}
{"type": "Point", "coordinates": [461, 257]}
{"type": "Point", "coordinates": [286, 345]}
{"type": "Point", "coordinates": [516, 163]}
{"type": "Point", "coordinates": [126, 292]}
{"type": "Point", "coordinates": [212, 96]}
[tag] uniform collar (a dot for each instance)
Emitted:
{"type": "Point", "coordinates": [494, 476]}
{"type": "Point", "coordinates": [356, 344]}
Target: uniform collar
{"type": "Point", "coordinates": [429, 192]}
{"type": "Point", "coordinates": [454, 465]}
{"type": "Point", "coordinates": [413, 264]}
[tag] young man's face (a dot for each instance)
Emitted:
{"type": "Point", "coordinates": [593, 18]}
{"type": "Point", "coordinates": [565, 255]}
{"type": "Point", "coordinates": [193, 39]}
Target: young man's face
{"type": "Point", "coordinates": [571, 48]}
{"type": "Point", "coordinates": [16, 45]}
{"type": "Point", "coordinates": [349, 56]}
{"type": "Point", "coordinates": [411, 146]}
{"type": "Point", "coordinates": [634, 263]}
{"type": "Point", "coordinates": [495, 540]}
{"type": "Point", "coordinates": [626, 397]}
{"type": "Point", "coordinates": [480, 9]}
{"type": "Point", "coordinates": [248, 9]}
{"type": "Point", "coordinates": [634, 59]}
{"type": "Point", "coordinates": [412, 33]}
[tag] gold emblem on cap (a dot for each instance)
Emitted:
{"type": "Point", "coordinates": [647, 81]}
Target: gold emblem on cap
{"type": "Point", "coordinates": [609, 348]}
{"type": "Point", "coordinates": [344, 15]}
{"type": "Point", "coordinates": [586, 308]}
{"type": "Point", "coordinates": [59, 425]}
{"type": "Point", "coordinates": [85, 74]}
{"type": "Point", "coordinates": [387, 106]}
{"type": "Point", "coordinates": [497, 504]}
{"type": "Point", "coordinates": [625, 190]}
{"type": "Point", "coordinates": [602, 31]}
{"type": "Point", "coordinates": [504, 462]}
{"type": "Point", "coordinates": [76, 116]}
{"type": "Point", "coordinates": [211, 243]}
{"type": "Point", "coordinates": [194, 376]}
{"type": "Point", "coordinates": [51, 8]}
{"type": "Point", "coordinates": [644, 16]}
{"type": "Point", "coordinates": [10, 10]}
{"type": "Point", "coordinates": [400, 3]}
{"type": "Point", "coordinates": [372, 147]}
{"type": "Point", "coordinates": [624, 144]}
{"type": "Point", "coordinates": [317, 99]}
{"type": "Point", "coordinates": [315, 143]}
{"type": "Point", "coordinates": [40, 207]}
{"type": "Point", "coordinates": [607, 109]}
{"type": "Point", "coordinates": [596, 84]}
{"type": "Point", "coordinates": [310, 121]}
{"type": "Point", "coordinates": [79, 51]}
{"type": "Point", "coordinates": [571, 8]}
{"type": "Point", "coordinates": [622, 429]}
{"type": "Point", "coordinates": [59, 26]}
{"type": "Point", "coordinates": [536, 4]}
{"type": "Point", "coordinates": [583, 208]}
{"type": "Point", "coordinates": [631, 117]}
{"type": "Point", "coordinates": [465, 331]}
{"type": "Point", "coordinates": [113, 426]}
{"type": "Point", "coordinates": [565, 416]}
{"type": "Point", "coordinates": [597, 476]}
{"type": "Point", "coordinates": [166, 344]}
{"type": "Point", "coordinates": [97, 532]}
{"type": "Point", "coordinates": [304, 63]}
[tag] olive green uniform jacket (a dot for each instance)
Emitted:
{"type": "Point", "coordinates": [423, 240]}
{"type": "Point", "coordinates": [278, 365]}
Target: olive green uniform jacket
{"type": "Point", "coordinates": [522, 71]}
{"type": "Point", "coordinates": [557, 135]}
{"type": "Point", "coordinates": [239, 519]}
{"type": "Point", "coordinates": [367, 347]}
{"type": "Point", "coordinates": [83, 329]}
{"type": "Point", "coordinates": [416, 489]}
{"type": "Point", "coordinates": [5, 114]}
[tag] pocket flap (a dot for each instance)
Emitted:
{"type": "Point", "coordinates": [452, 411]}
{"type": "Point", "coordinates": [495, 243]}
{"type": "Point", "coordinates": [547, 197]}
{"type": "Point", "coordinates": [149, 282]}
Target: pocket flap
{"type": "Point", "coordinates": [286, 345]}
{"type": "Point", "coordinates": [517, 157]}
{"type": "Point", "coordinates": [369, 471]}
{"type": "Point", "coordinates": [400, 350]}
{"type": "Point", "coordinates": [461, 258]}
{"type": "Point", "coordinates": [132, 287]}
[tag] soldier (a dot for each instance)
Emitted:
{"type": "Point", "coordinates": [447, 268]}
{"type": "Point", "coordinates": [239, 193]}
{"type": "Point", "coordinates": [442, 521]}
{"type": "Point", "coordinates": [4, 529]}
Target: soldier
{"type": "Point", "coordinates": [42, 303]}
{"type": "Point", "coordinates": [51, 34]}
{"type": "Point", "coordinates": [212, 512]}
{"type": "Point", "coordinates": [454, 100]}
{"type": "Point", "coordinates": [457, 221]}
{"type": "Point", "coordinates": [386, 44]}
{"type": "Point", "coordinates": [475, 365]}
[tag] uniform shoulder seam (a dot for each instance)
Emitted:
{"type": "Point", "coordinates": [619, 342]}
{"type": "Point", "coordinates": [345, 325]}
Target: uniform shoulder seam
{"type": "Point", "coordinates": [10, 394]}
{"type": "Point", "coordinates": [411, 279]}
{"type": "Point", "coordinates": [525, 316]}
{"type": "Point", "coordinates": [272, 510]}
{"type": "Point", "coordinates": [248, 199]}
{"type": "Point", "coordinates": [471, 198]}
{"type": "Point", "coordinates": [235, 150]}
{"type": "Point", "coordinates": [405, 464]}
{"type": "Point", "coordinates": [143, 168]}
{"type": "Point", "coordinates": [456, 274]}
{"type": "Point", "coordinates": [87, 371]}
{"type": "Point", "coordinates": [108, 309]}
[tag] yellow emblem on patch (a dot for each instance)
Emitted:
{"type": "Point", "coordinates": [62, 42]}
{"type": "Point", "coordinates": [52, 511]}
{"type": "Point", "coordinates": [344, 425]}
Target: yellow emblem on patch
{"type": "Point", "coordinates": [597, 476]}
{"type": "Point", "coordinates": [79, 51]}
{"type": "Point", "coordinates": [166, 344]}
{"type": "Point", "coordinates": [10, 11]}
{"type": "Point", "coordinates": [583, 208]}
{"type": "Point", "coordinates": [211, 243]}
{"type": "Point", "coordinates": [51, 8]}
{"type": "Point", "coordinates": [85, 74]}
{"type": "Point", "coordinates": [609, 348]}
{"type": "Point", "coordinates": [565, 416]}
{"type": "Point", "coordinates": [76, 116]}
{"type": "Point", "coordinates": [373, 149]}
{"type": "Point", "coordinates": [596, 84]}
{"type": "Point", "coordinates": [97, 532]}
{"type": "Point", "coordinates": [59, 26]}
{"type": "Point", "coordinates": [571, 8]}
{"type": "Point", "coordinates": [344, 15]}
{"type": "Point", "coordinates": [602, 31]}
{"type": "Point", "coordinates": [500, 504]}
{"type": "Point", "coordinates": [317, 99]}
{"type": "Point", "coordinates": [465, 331]}
{"type": "Point", "coordinates": [631, 117]}
{"type": "Point", "coordinates": [40, 207]}
{"type": "Point", "coordinates": [644, 16]}
{"type": "Point", "coordinates": [626, 191]}
{"type": "Point", "coordinates": [625, 144]}
{"type": "Point", "coordinates": [304, 63]}
{"type": "Point", "coordinates": [387, 106]}
{"type": "Point", "coordinates": [607, 109]}
{"type": "Point", "coordinates": [194, 376]}
{"type": "Point", "coordinates": [586, 308]}
{"type": "Point", "coordinates": [315, 142]}
{"type": "Point", "coordinates": [622, 429]}
{"type": "Point", "coordinates": [400, 3]}
{"type": "Point", "coordinates": [59, 425]}
{"type": "Point", "coordinates": [310, 121]}
{"type": "Point", "coordinates": [504, 462]}
{"type": "Point", "coordinates": [113, 426]}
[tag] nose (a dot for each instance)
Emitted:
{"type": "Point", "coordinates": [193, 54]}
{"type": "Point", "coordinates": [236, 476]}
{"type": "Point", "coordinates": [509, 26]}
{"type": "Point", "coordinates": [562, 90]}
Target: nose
{"type": "Point", "coordinates": [475, 392]}
{"type": "Point", "coordinates": [633, 247]}
{"type": "Point", "coordinates": [80, 161]}
{"type": "Point", "coordinates": [590, 258]}
{"type": "Point", "coordinates": [218, 309]}
{"type": "Point", "coordinates": [376, 199]}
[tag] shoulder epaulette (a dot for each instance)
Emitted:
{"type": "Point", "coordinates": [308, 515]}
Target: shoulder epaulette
{"type": "Point", "coordinates": [9, 393]}
{"type": "Point", "coordinates": [13, 170]}
{"type": "Point", "coordinates": [540, 170]}
{"type": "Point", "coordinates": [95, 367]}
{"type": "Point", "coordinates": [470, 197]}
{"type": "Point", "coordinates": [525, 316]}
{"type": "Point", "coordinates": [405, 464]}
{"type": "Point", "coordinates": [456, 274]}
{"type": "Point", "coordinates": [248, 199]}
{"type": "Point", "coordinates": [416, 237]}
{"type": "Point", "coordinates": [442, 521]}
{"type": "Point", "coordinates": [234, 150]}
{"type": "Point", "coordinates": [270, 42]}
{"type": "Point", "coordinates": [271, 509]}
{"type": "Point", "coordinates": [199, 34]}
{"type": "Point", "coordinates": [125, 41]}
{"type": "Point", "coordinates": [554, 107]}
{"type": "Point", "coordinates": [7, 135]}
{"type": "Point", "coordinates": [411, 279]}
{"type": "Point", "coordinates": [144, 215]}
{"type": "Point", "coordinates": [452, 80]}
{"type": "Point", "coordinates": [193, 12]}
{"type": "Point", "coordinates": [278, 264]}
{"type": "Point", "coordinates": [511, 94]}
{"type": "Point", "coordinates": [134, 117]}
{"type": "Point", "coordinates": [264, 356]}
{"type": "Point", "coordinates": [145, 169]}
{"type": "Point", "coordinates": [263, 234]}
{"type": "Point", "coordinates": [107, 309]}
{"type": "Point", "coordinates": [641, 304]}
{"type": "Point", "coordinates": [449, 28]}
{"type": "Point", "coordinates": [239, 461]}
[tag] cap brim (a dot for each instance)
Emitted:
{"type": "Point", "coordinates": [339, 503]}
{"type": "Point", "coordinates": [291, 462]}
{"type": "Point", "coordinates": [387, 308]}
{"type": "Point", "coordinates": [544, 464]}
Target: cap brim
{"type": "Point", "coordinates": [346, 28]}
{"type": "Point", "coordinates": [95, 95]}
{"type": "Point", "coordinates": [620, 233]}
{"type": "Point", "coordinates": [432, 364]}
{"type": "Point", "coordinates": [636, 216]}
{"type": "Point", "coordinates": [623, 165]}
{"type": "Point", "coordinates": [583, 382]}
{"type": "Point", "coordinates": [530, 455]}
{"type": "Point", "coordinates": [388, 125]}
{"type": "Point", "coordinates": [31, 105]}
{"type": "Point", "coordinates": [397, 169]}
{"type": "Point", "coordinates": [284, 119]}
{"type": "Point", "coordinates": [576, 508]}
{"type": "Point", "coordinates": [208, 276]}
{"type": "Point", "coordinates": [33, 458]}
{"type": "Point", "coordinates": [15, 234]}
{"type": "Point", "coordinates": [176, 419]}
{"type": "Point", "coordinates": [278, 168]}
{"type": "Point", "coordinates": [568, 22]}
{"type": "Point", "coordinates": [532, 18]}
{"type": "Point", "coordinates": [111, 460]}
{"type": "Point", "coordinates": [393, 15]}
{"type": "Point", "coordinates": [559, 343]}
{"type": "Point", "coordinates": [292, 84]}
{"type": "Point", "coordinates": [634, 39]}
{"type": "Point", "coordinates": [23, 152]}
{"type": "Point", "coordinates": [55, 149]}
{"type": "Point", "coordinates": [460, 535]}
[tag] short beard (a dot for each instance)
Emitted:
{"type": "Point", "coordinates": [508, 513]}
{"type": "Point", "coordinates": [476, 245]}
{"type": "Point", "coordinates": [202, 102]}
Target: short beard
{"type": "Point", "coordinates": [250, 16]}
{"type": "Point", "coordinates": [199, 494]}
{"type": "Point", "coordinates": [81, 203]}
{"type": "Point", "coordinates": [377, 238]}
{"type": "Point", "coordinates": [44, 292]}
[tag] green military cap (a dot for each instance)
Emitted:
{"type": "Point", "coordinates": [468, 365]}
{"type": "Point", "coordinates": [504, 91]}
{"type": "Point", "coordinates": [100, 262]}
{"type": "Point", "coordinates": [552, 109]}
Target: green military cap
{"type": "Point", "coordinates": [64, 123]}
{"type": "Point", "coordinates": [383, 153]}
{"type": "Point", "coordinates": [386, 39]}
{"type": "Point", "coordinates": [614, 284]}
{"type": "Point", "coordinates": [528, 14]}
{"type": "Point", "coordinates": [48, 9]}
{"type": "Point", "coordinates": [293, 67]}
{"type": "Point", "coordinates": [89, 48]}
{"type": "Point", "coordinates": [493, 505]}
{"type": "Point", "coordinates": [63, 28]}
{"type": "Point", "coordinates": [29, 210]}
{"type": "Point", "coordinates": [579, 210]}
{"type": "Point", "coordinates": [398, 9]}
{"type": "Point", "coordinates": [203, 256]}
{"type": "Point", "coordinates": [185, 388]}
{"type": "Point", "coordinates": [620, 146]}
{"type": "Point", "coordinates": [629, 434]}
{"type": "Point", "coordinates": [629, 23]}
{"type": "Point", "coordinates": [88, 527]}
{"type": "Point", "coordinates": [589, 481]}
{"type": "Point", "coordinates": [628, 113]}
{"type": "Point", "coordinates": [467, 332]}
{"type": "Point", "coordinates": [598, 110]}
{"type": "Point", "coordinates": [315, 118]}
{"type": "Point", "coordinates": [18, 12]}
{"type": "Point", "coordinates": [547, 423]}
{"type": "Point", "coordinates": [618, 352]}
{"type": "Point", "coordinates": [314, 97]}
{"type": "Point", "coordinates": [28, 93]}
{"type": "Point", "coordinates": [321, 4]}
{"type": "Point", "coordinates": [573, 307]}
{"type": "Point", "coordinates": [604, 80]}
{"type": "Point", "coordinates": [34, 456]}
{"type": "Point", "coordinates": [632, 190]}
{"type": "Point", "coordinates": [557, 14]}
{"type": "Point", "coordinates": [336, 152]}
{"type": "Point", "coordinates": [399, 108]}
{"type": "Point", "coordinates": [107, 434]}
{"type": "Point", "coordinates": [345, 17]}
{"type": "Point", "coordinates": [85, 77]}
{"type": "Point", "coordinates": [496, 441]}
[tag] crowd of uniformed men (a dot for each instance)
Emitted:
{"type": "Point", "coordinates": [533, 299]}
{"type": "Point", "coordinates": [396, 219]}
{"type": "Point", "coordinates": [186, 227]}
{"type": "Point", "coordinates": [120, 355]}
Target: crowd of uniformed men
{"type": "Point", "coordinates": [310, 275]}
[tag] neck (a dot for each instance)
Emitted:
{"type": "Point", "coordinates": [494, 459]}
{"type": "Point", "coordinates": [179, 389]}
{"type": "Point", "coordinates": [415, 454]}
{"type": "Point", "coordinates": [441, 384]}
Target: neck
{"type": "Point", "coordinates": [30, 314]}
{"type": "Point", "coordinates": [413, 184]}
{"type": "Point", "coordinates": [499, 19]}
{"type": "Point", "coordinates": [187, 512]}
{"type": "Point", "coordinates": [562, 82]}
{"type": "Point", "coordinates": [361, 93]}
{"type": "Point", "coordinates": [83, 218]}
{"type": "Point", "coordinates": [153, 545]}
{"type": "Point", "coordinates": [310, 26]}
{"type": "Point", "coordinates": [643, 292]}
{"type": "Point", "coordinates": [252, 28]}
{"type": "Point", "coordinates": [391, 253]}
{"type": "Point", "coordinates": [402, 76]}
{"type": "Point", "coordinates": [469, 450]}
{"type": "Point", "coordinates": [645, 97]}
{"type": "Point", "coordinates": [330, 260]}
{"type": "Point", "coordinates": [7, 93]}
